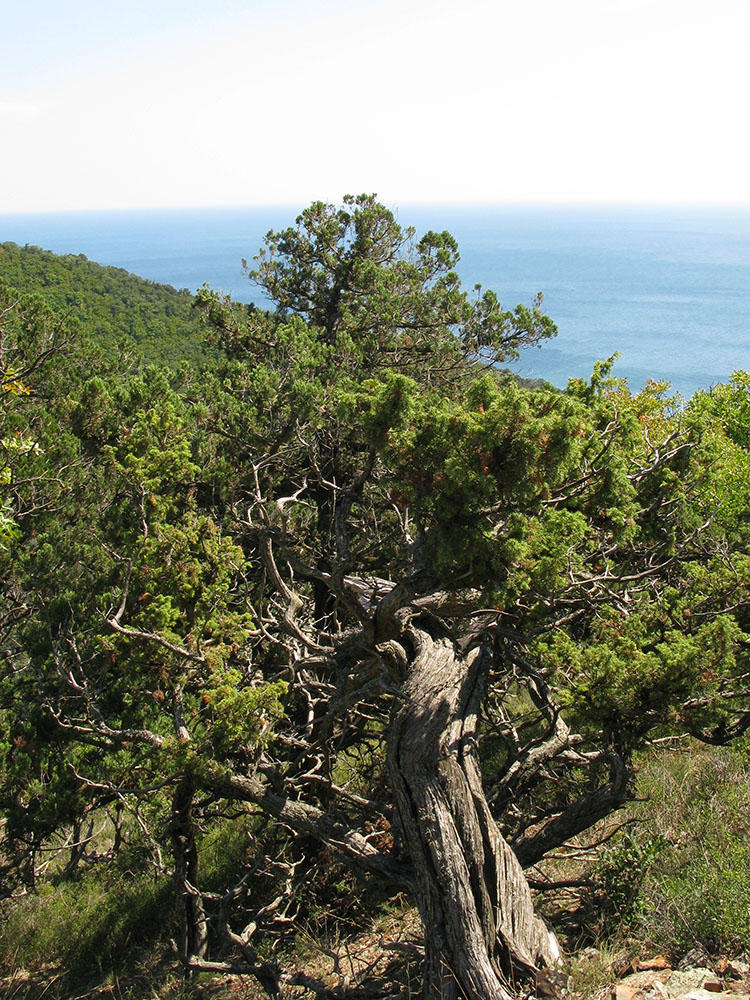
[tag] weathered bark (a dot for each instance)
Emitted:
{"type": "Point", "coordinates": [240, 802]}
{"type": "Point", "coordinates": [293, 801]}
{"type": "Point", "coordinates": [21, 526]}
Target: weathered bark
{"type": "Point", "coordinates": [481, 932]}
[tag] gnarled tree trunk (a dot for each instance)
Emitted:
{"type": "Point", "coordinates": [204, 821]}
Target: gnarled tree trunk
{"type": "Point", "coordinates": [480, 928]}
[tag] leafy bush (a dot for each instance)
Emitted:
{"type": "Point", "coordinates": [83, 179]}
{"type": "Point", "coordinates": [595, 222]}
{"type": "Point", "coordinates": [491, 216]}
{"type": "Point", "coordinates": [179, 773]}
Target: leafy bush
{"type": "Point", "coordinates": [620, 879]}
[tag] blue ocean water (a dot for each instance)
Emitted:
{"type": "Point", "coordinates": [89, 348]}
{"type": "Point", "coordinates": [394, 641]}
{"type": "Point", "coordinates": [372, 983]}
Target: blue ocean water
{"type": "Point", "coordinates": [668, 288]}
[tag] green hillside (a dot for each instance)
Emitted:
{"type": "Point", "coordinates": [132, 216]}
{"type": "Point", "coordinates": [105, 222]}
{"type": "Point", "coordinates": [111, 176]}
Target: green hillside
{"type": "Point", "coordinates": [111, 305]}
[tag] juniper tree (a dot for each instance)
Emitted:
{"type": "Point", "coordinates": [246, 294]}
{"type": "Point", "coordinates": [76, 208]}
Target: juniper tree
{"type": "Point", "coordinates": [356, 579]}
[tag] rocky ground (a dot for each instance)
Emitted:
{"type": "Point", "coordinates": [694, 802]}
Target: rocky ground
{"type": "Point", "coordinates": [385, 963]}
{"type": "Point", "coordinates": [696, 977]}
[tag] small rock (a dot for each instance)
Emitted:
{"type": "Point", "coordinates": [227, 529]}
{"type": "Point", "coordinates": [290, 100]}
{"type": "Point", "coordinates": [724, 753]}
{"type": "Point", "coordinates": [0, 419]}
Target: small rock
{"type": "Point", "coordinates": [650, 982]}
{"type": "Point", "coordinates": [684, 981]}
{"type": "Point", "coordinates": [550, 983]}
{"type": "Point", "coordinates": [737, 968]}
{"type": "Point", "coordinates": [623, 992]}
{"type": "Point", "coordinates": [657, 962]}
{"type": "Point", "coordinates": [701, 994]}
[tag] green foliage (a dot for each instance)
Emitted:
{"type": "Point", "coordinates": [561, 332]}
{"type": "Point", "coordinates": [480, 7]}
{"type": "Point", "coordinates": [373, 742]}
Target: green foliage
{"type": "Point", "coordinates": [619, 878]}
{"type": "Point", "coordinates": [729, 404]}
{"type": "Point", "coordinates": [113, 307]}
{"type": "Point", "coordinates": [87, 926]}
{"type": "Point", "coordinates": [499, 456]}
{"type": "Point", "coordinates": [724, 415]}
{"type": "Point", "coordinates": [635, 675]}
{"type": "Point", "coordinates": [239, 717]}
{"type": "Point", "coordinates": [681, 878]}
{"type": "Point", "coordinates": [371, 289]}
{"type": "Point", "coordinates": [136, 586]}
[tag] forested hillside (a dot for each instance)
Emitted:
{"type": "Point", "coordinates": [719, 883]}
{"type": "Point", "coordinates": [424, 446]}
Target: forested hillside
{"type": "Point", "coordinates": [342, 639]}
{"type": "Point", "coordinates": [119, 310]}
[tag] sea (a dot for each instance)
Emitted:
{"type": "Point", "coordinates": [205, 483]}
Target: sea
{"type": "Point", "coordinates": [667, 288]}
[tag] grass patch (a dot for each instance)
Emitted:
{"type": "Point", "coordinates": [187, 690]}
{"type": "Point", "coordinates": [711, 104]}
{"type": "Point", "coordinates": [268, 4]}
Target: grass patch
{"type": "Point", "coordinates": [679, 878]}
{"type": "Point", "coordinates": [696, 888]}
{"type": "Point", "coordinates": [93, 925]}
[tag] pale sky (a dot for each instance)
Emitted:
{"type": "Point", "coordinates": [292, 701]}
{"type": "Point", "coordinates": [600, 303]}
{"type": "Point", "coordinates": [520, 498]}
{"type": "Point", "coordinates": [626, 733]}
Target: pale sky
{"type": "Point", "coordinates": [152, 103]}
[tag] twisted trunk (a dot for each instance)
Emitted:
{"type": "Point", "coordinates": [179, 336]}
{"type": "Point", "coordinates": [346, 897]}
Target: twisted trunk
{"type": "Point", "coordinates": [481, 932]}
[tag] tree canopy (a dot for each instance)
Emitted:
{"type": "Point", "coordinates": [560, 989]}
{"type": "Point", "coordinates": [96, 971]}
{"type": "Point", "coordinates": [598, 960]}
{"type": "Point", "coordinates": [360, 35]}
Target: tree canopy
{"type": "Point", "coordinates": [352, 579]}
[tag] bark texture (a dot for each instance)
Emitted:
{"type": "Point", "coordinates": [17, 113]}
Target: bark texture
{"type": "Point", "coordinates": [481, 932]}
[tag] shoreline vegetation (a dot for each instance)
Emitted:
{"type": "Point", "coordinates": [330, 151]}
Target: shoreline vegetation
{"type": "Point", "coordinates": [339, 663]}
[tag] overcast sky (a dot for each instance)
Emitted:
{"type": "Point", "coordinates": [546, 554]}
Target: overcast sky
{"type": "Point", "coordinates": [243, 102]}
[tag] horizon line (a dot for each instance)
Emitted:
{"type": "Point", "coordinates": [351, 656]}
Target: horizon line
{"type": "Point", "coordinates": [390, 203]}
